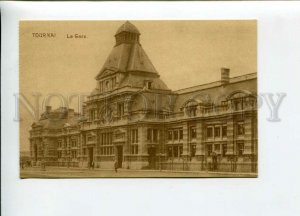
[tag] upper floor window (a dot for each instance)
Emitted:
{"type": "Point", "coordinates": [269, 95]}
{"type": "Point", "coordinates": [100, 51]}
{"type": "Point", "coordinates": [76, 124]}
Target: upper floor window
{"type": "Point", "coordinates": [209, 132]}
{"type": "Point", "coordinates": [180, 134]}
{"type": "Point", "coordinates": [170, 135]}
{"type": "Point", "coordinates": [224, 131]}
{"type": "Point", "coordinates": [92, 114]}
{"type": "Point", "coordinates": [240, 128]}
{"type": "Point", "coordinates": [193, 132]}
{"type": "Point", "coordinates": [224, 149]}
{"type": "Point", "coordinates": [240, 149]}
{"type": "Point", "coordinates": [120, 109]}
{"type": "Point", "coordinates": [217, 131]}
{"type": "Point", "coordinates": [152, 135]}
{"type": "Point", "coordinates": [148, 84]}
{"type": "Point", "coordinates": [175, 132]}
{"type": "Point", "coordinates": [74, 143]}
{"type": "Point", "coordinates": [134, 136]}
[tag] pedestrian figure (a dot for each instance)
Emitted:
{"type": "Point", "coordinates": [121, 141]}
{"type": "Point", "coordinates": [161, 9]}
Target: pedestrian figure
{"type": "Point", "coordinates": [116, 166]}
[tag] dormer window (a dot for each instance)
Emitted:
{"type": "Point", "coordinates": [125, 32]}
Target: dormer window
{"type": "Point", "coordinates": [148, 84]}
{"type": "Point", "coordinates": [107, 85]}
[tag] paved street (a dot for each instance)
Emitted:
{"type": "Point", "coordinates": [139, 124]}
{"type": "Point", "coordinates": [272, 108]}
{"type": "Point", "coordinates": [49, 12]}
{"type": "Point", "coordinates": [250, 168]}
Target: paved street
{"type": "Point", "coordinates": [53, 172]}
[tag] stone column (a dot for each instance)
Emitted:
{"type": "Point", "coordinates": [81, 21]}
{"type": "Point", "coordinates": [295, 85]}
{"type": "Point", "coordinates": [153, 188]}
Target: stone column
{"type": "Point", "coordinates": [185, 140]}
{"type": "Point", "coordinates": [248, 144]}
{"type": "Point", "coordinates": [230, 136]}
{"type": "Point", "coordinates": [143, 147]}
{"type": "Point", "coordinates": [200, 150]}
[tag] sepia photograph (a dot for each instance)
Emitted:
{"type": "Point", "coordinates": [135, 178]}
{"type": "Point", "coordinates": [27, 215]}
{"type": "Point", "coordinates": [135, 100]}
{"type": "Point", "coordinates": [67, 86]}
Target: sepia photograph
{"type": "Point", "coordinates": [133, 98]}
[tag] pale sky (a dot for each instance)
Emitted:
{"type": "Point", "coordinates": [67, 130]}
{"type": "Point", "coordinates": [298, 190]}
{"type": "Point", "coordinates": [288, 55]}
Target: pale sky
{"type": "Point", "coordinates": [185, 54]}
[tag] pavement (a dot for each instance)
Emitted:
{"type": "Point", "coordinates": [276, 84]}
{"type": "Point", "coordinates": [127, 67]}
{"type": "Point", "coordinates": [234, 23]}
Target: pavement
{"type": "Point", "coordinates": [64, 172]}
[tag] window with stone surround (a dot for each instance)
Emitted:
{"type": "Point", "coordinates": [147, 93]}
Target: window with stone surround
{"type": "Point", "coordinates": [224, 131]}
{"type": "Point", "coordinates": [152, 135]}
{"type": "Point", "coordinates": [224, 149]}
{"type": "Point", "coordinates": [120, 110]}
{"type": "Point", "coordinates": [174, 151]}
{"type": "Point", "coordinates": [209, 149]}
{"type": "Point", "coordinates": [170, 135]}
{"type": "Point", "coordinates": [74, 143]}
{"type": "Point", "coordinates": [181, 134]}
{"type": "Point", "coordinates": [193, 132]}
{"type": "Point", "coordinates": [217, 131]}
{"type": "Point", "coordinates": [192, 150]}
{"type": "Point", "coordinates": [134, 136]}
{"type": "Point", "coordinates": [240, 148]}
{"type": "Point", "coordinates": [175, 134]}
{"type": "Point", "coordinates": [134, 149]}
{"type": "Point", "coordinates": [209, 132]}
{"type": "Point", "coordinates": [240, 128]}
{"type": "Point", "coordinates": [106, 144]}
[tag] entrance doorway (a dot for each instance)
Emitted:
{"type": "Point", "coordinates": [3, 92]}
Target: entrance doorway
{"type": "Point", "coordinates": [120, 155]}
{"type": "Point", "coordinates": [152, 157]}
{"type": "Point", "coordinates": [91, 156]}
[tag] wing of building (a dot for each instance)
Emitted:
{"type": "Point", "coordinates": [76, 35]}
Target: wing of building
{"type": "Point", "coordinates": [134, 119]}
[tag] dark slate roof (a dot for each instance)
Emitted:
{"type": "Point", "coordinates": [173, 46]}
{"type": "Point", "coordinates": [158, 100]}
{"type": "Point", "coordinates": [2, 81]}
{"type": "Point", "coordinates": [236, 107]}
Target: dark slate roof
{"type": "Point", "coordinates": [128, 27]}
{"type": "Point", "coordinates": [56, 119]}
{"type": "Point", "coordinates": [125, 58]}
{"type": "Point", "coordinates": [216, 92]}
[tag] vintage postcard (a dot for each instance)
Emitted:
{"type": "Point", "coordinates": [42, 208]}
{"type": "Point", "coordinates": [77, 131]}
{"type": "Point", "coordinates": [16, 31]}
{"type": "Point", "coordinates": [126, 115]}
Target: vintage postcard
{"type": "Point", "coordinates": [138, 98]}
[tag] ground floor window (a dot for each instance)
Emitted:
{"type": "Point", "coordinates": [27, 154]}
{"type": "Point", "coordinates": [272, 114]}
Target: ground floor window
{"type": "Point", "coordinates": [192, 150]}
{"type": "Point", "coordinates": [209, 149]}
{"type": "Point", "coordinates": [224, 149]}
{"type": "Point", "coordinates": [175, 151]}
{"type": "Point", "coordinates": [107, 150]}
{"type": "Point", "coordinates": [240, 149]}
{"type": "Point", "coordinates": [74, 154]}
{"type": "Point", "coordinates": [134, 149]}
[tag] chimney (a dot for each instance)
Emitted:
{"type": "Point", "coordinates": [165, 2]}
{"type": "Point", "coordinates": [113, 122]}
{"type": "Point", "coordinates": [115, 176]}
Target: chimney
{"type": "Point", "coordinates": [48, 109]}
{"type": "Point", "coordinates": [225, 73]}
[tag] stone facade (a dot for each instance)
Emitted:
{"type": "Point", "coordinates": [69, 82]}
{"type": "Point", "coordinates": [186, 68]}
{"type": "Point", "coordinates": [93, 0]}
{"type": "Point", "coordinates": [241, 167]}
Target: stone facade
{"type": "Point", "coordinates": [133, 118]}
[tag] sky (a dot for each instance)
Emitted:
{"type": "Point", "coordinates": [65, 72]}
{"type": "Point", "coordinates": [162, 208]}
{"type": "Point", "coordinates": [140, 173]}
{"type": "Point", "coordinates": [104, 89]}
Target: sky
{"type": "Point", "coordinates": [185, 54]}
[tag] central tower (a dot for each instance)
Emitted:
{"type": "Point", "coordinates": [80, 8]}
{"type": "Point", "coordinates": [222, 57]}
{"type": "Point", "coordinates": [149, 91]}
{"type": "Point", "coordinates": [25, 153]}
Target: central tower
{"type": "Point", "coordinates": [127, 33]}
{"type": "Point", "coordinates": [128, 65]}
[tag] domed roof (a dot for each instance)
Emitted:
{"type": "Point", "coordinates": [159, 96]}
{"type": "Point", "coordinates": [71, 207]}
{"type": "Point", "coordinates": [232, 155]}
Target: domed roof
{"type": "Point", "coordinates": [128, 27]}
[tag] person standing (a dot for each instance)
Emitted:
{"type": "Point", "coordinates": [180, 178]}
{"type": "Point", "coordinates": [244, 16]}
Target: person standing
{"type": "Point", "coordinates": [116, 166]}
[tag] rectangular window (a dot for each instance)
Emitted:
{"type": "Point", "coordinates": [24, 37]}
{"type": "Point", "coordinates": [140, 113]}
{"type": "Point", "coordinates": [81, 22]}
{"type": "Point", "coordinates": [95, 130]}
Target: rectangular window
{"type": "Point", "coordinates": [224, 131]}
{"type": "Point", "coordinates": [193, 132]}
{"type": "Point", "coordinates": [217, 147]}
{"type": "Point", "coordinates": [175, 133]}
{"type": "Point", "coordinates": [209, 132]}
{"type": "Point", "coordinates": [120, 109]}
{"type": "Point", "coordinates": [240, 128]}
{"type": "Point", "coordinates": [180, 134]}
{"type": "Point", "coordinates": [134, 149]}
{"type": "Point", "coordinates": [170, 152]}
{"type": "Point", "coordinates": [149, 134]}
{"type": "Point", "coordinates": [193, 150]}
{"type": "Point", "coordinates": [175, 151]}
{"type": "Point", "coordinates": [155, 135]}
{"type": "Point", "coordinates": [240, 149]}
{"type": "Point", "coordinates": [224, 149]}
{"type": "Point", "coordinates": [134, 136]}
{"type": "Point", "coordinates": [217, 131]}
{"type": "Point", "coordinates": [209, 149]}
{"type": "Point", "coordinates": [170, 135]}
